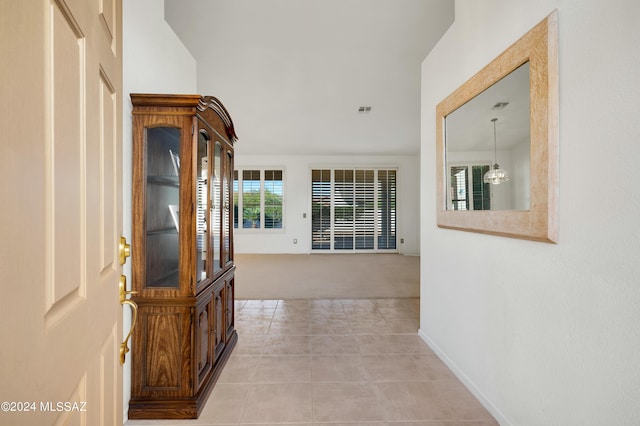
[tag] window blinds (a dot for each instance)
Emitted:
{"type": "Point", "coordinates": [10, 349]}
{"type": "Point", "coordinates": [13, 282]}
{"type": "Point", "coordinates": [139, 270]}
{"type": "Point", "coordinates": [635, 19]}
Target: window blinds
{"type": "Point", "coordinates": [353, 209]}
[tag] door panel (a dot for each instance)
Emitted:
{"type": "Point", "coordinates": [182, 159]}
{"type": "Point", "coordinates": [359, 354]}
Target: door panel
{"type": "Point", "coordinates": [203, 341]}
{"type": "Point", "coordinates": [64, 157]}
{"type": "Point", "coordinates": [218, 322]}
{"type": "Point", "coordinates": [230, 307]}
{"type": "Point", "coordinates": [60, 113]}
{"type": "Point", "coordinates": [109, 147]}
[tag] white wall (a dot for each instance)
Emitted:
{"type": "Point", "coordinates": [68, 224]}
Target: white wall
{"type": "Point", "coordinates": [546, 334]}
{"type": "Point", "coordinates": [520, 173]}
{"type": "Point", "coordinates": [297, 195]}
{"type": "Point", "coordinates": [154, 61]}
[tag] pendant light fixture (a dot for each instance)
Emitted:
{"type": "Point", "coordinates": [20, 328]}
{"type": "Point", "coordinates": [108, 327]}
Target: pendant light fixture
{"type": "Point", "coordinates": [495, 175]}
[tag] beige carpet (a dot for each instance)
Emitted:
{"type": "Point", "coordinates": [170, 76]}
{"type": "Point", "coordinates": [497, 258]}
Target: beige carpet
{"type": "Point", "coordinates": [326, 276]}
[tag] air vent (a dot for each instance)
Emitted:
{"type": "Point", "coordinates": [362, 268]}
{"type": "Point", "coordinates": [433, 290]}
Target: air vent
{"type": "Point", "coordinates": [364, 109]}
{"type": "Point", "coordinates": [500, 105]}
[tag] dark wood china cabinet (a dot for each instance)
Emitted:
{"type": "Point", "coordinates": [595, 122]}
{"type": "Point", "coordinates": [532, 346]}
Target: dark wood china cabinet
{"type": "Point", "coordinates": [182, 252]}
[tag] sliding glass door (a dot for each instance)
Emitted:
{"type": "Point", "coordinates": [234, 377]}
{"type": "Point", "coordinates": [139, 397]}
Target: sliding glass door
{"type": "Point", "coordinates": [353, 209]}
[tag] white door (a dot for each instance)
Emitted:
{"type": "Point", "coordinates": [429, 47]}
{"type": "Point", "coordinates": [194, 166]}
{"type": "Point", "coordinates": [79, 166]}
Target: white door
{"type": "Point", "coordinates": [60, 212]}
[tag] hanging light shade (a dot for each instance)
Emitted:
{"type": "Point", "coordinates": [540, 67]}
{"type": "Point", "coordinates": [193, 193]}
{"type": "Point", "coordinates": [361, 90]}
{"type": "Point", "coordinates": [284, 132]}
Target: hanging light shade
{"type": "Point", "coordinates": [496, 175]}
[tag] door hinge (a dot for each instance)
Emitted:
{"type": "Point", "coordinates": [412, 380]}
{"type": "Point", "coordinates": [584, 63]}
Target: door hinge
{"type": "Point", "coordinates": [193, 129]}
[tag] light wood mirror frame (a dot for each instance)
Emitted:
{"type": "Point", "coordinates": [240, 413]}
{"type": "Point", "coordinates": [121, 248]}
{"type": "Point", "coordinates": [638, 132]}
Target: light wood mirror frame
{"type": "Point", "coordinates": [539, 47]}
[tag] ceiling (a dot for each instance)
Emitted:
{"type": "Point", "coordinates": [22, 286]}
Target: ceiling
{"type": "Point", "coordinates": [293, 73]}
{"type": "Point", "coordinates": [469, 128]}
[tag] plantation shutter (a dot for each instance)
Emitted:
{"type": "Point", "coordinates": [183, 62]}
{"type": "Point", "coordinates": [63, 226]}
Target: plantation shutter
{"type": "Point", "coordinates": [353, 209]}
{"type": "Point", "coordinates": [272, 199]}
{"type": "Point", "coordinates": [251, 198]}
{"type": "Point", "coordinates": [387, 209]}
{"type": "Point", "coordinates": [343, 207]}
{"type": "Point", "coordinates": [321, 209]}
{"type": "Point", "coordinates": [365, 227]}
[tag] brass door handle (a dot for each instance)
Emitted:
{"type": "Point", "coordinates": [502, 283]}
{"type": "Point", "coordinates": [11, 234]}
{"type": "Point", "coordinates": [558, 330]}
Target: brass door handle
{"type": "Point", "coordinates": [124, 346]}
{"type": "Point", "coordinates": [122, 288]}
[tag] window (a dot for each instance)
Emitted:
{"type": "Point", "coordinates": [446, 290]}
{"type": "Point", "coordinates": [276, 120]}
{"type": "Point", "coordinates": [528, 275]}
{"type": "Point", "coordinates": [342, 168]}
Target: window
{"type": "Point", "coordinates": [467, 188]}
{"type": "Point", "coordinates": [353, 209]}
{"type": "Point", "coordinates": [258, 198]}
{"type": "Point", "coordinates": [273, 198]}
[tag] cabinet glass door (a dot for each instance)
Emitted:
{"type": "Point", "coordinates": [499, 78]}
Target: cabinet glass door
{"type": "Point", "coordinates": [216, 211]}
{"type": "Point", "coordinates": [228, 181]}
{"type": "Point", "coordinates": [202, 206]}
{"type": "Point", "coordinates": [162, 206]}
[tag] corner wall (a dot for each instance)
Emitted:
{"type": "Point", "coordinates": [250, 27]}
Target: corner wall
{"type": "Point", "coordinates": [545, 334]}
{"type": "Point", "coordinates": [154, 61]}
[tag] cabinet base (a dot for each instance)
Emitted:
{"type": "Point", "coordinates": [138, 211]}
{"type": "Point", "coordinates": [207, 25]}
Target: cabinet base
{"type": "Point", "coordinates": [188, 408]}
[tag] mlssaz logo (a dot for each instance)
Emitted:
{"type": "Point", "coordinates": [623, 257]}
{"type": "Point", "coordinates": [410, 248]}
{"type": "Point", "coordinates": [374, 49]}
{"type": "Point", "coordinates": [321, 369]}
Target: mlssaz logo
{"type": "Point", "coordinates": [63, 406]}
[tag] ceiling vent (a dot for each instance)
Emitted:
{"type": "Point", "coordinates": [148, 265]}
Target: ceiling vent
{"type": "Point", "coordinates": [500, 105]}
{"type": "Point", "coordinates": [364, 109]}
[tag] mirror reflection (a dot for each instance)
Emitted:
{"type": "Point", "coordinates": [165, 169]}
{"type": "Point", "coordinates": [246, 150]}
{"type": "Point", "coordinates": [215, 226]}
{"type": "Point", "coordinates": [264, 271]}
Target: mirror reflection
{"type": "Point", "coordinates": [487, 143]}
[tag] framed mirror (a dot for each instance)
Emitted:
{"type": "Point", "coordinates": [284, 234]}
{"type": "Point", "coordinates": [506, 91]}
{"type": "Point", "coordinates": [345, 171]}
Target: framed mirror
{"type": "Point", "coordinates": [497, 143]}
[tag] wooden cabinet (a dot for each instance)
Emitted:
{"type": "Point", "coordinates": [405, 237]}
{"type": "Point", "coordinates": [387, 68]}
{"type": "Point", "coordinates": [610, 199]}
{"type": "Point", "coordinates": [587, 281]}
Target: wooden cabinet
{"type": "Point", "coordinates": [182, 252]}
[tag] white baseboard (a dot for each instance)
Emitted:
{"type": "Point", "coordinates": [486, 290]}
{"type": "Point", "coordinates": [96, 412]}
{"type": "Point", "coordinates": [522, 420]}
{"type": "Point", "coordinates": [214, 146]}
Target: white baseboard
{"type": "Point", "coordinates": [486, 403]}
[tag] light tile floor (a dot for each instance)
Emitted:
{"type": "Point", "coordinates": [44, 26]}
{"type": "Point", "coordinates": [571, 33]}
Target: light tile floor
{"type": "Point", "coordinates": [343, 362]}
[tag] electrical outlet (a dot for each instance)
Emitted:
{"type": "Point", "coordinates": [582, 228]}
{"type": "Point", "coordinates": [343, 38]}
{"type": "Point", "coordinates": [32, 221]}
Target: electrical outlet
{"type": "Point", "coordinates": [401, 240]}
{"type": "Point", "coordinates": [295, 241]}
